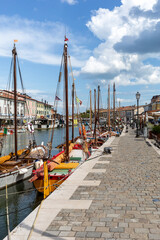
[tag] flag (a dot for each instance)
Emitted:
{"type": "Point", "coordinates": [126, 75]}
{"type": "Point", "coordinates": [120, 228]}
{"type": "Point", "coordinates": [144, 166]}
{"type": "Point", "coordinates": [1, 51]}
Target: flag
{"type": "Point", "coordinates": [57, 98]}
{"type": "Point", "coordinates": [15, 40]}
{"type": "Point", "coordinates": [65, 39]}
{"type": "Point", "coordinates": [78, 100]}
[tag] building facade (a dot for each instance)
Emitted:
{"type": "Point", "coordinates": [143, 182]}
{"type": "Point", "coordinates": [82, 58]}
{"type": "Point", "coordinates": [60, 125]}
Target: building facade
{"type": "Point", "coordinates": [155, 102]}
{"type": "Point", "coordinates": [47, 110]}
{"type": "Point", "coordinates": [40, 109]}
{"type": "Point", "coordinates": [125, 113]}
{"type": "Point", "coordinates": [7, 105]}
{"type": "Point", "coordinates": [27, 107]}
{"type": "Point", "coordinates": [30, 107]}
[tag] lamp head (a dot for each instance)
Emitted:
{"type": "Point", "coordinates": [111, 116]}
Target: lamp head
{"type": "Point", "coordinates": [138, 95]}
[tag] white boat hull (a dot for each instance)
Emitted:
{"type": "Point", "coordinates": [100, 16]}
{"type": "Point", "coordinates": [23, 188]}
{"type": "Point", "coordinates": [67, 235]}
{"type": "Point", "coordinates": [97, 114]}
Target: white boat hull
{"type": "Point", "coordinates": [15, 176]}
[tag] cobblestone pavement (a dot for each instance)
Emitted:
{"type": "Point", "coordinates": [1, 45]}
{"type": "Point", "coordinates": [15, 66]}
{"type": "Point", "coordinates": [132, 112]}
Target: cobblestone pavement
{"type": "Point", "coordinates": [126, 204]}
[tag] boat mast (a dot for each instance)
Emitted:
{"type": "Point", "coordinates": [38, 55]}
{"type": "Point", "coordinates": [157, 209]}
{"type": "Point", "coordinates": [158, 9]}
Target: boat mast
{"type": "Point", "coordinates": [95, 115]}
{"type": "Point", "coordinates": [14, 53]}
{"type": "Point", "coordinates": [66, 98]}
{"type": "Point", "coordinates": [73, 111]}
{"type": "Point", "coordinates": [73, 90]}
{"type": "Point", "coordinates": [98, 104]}
{"type": "Point", "coordinates": [119, 114]}
{"type": "Point", "coordinates": [114, 114]}
{"type": "Point", "coordinates": [90, 110]}
{"type": "Point", "coordinates": [109, 107]}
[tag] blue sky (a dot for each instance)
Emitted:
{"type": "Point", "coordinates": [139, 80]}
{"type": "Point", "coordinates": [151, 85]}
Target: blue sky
{"type": "Point", "coordinates": [109, 41]}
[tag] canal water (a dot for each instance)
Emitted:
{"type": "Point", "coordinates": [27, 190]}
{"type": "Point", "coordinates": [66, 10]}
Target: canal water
{"type": "Point", "coordinates": [22, 197]}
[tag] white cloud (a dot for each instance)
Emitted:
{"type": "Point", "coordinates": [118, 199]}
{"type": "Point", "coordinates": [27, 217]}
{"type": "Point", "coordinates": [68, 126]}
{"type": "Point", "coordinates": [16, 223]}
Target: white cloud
{"type": "Point", "coordinates": [40, 42]}
{"type": "Point", "coordinates": [34, 91]}
{"type": "Point", "coordinates": [71, 2]}
{"type": "Point", "coordinates": [123, 100]}
{"type": "Point", "coordinates": [40, 94]}
{"type": "Point", "coordinates": [88, 86]}
{"type": "Point", "coordinates": [111, 27]}
{"type": "Point", "coordinates": [143, 4]}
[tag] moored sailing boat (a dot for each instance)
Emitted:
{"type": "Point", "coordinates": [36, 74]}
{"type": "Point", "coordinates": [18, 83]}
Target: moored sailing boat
{"type": "Point", "coordinates": [94, 136]}
{"type": "Point", "coordinates": [47, 178]}
{"type": "Point", "coordinates": [18, 165]}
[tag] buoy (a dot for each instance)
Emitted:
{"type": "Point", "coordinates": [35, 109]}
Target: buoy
{"type": "Point", "coordinates": [30, 128]}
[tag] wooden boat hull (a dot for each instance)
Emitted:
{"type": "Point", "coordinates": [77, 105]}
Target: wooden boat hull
{"type": "Point", "coordinates": [59, 173]}
{"type": "Point", "coordinates": [15, 176]}
{"type": "Point", "coordinates": [12, 171]}
{"type": "Point", "coordinates": [54, 182]}
{"type": "Point", "coordinates": [55, 177]}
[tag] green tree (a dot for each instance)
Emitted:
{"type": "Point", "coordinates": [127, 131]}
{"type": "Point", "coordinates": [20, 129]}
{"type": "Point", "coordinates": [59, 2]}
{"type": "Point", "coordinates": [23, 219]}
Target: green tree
{"type": "Point", "coordinates": [156, 129]}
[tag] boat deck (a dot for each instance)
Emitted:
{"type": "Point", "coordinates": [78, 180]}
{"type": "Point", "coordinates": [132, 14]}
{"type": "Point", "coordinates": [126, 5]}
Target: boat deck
{"type": "Point", "coordinates": [77, 155]}
{"type": "Point", "coordinates": [59, 171]}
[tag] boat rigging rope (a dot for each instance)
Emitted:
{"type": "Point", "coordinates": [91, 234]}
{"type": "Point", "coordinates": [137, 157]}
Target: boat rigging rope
{"type": "Point", "coordinates": [55, 105]}
{"type": "Point", "coordinates": [31, 135]}
{"type": "Point", "coordinates": [87, 107]}
{"type": "Point", "coordinates": [9, 78]}
{"type": "Point", "coordinates": [20, 75]}
{"type": "Point", "coordinates": [75, 95]}
{"type": "Point", "coordinates": [7, 94]}
{"type": "Point", "coordinates": [34, 221]}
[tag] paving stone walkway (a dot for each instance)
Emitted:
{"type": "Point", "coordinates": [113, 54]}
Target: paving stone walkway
{"type": "Point", "coordinates": [125, 205]}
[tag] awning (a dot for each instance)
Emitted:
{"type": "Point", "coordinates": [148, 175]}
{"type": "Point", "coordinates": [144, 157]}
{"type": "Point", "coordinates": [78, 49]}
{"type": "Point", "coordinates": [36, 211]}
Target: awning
{"type": "Point", "coordinates": [150, 117]}
{"type": "Point", "coordinates": [156, 113]}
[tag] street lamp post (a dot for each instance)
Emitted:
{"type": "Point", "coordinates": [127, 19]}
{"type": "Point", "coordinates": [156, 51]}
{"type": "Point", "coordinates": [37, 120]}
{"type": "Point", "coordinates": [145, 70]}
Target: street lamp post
{"type": "Point", "coordinates": [137, 97]}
